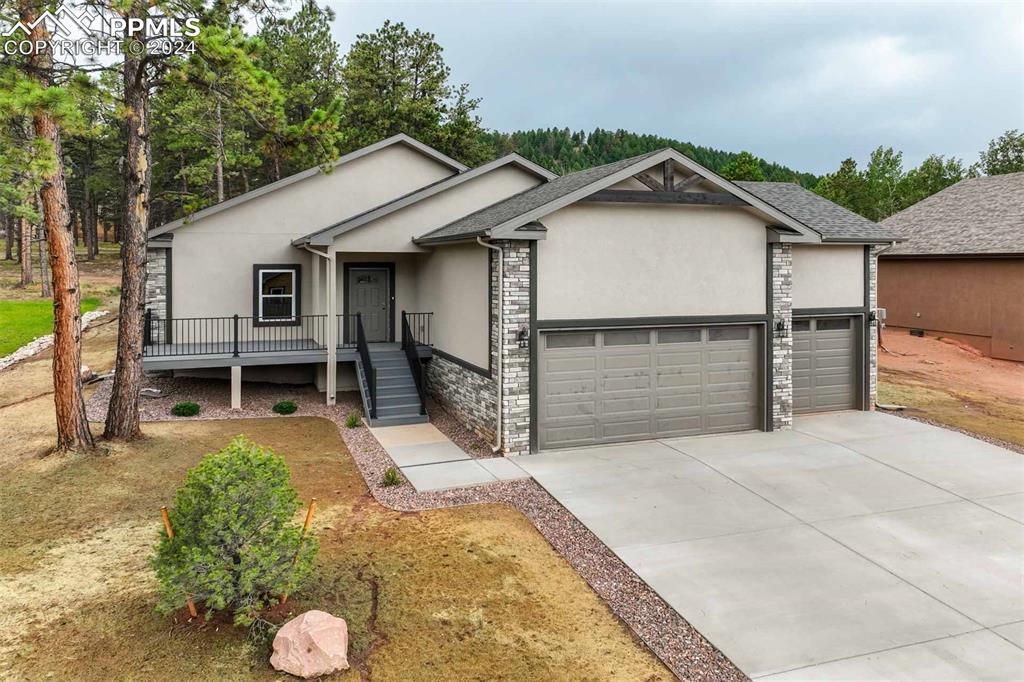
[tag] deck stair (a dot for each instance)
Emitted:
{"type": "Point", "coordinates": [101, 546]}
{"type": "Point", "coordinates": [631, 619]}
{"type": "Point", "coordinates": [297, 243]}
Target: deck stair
{"type": "Point", "coordinates": [398, 401]}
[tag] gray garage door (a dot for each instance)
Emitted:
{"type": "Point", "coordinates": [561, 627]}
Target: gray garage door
{"type": "Point", "coordinates": [824, 364]}
{"type": "Point", "coordinates": [632, 384]}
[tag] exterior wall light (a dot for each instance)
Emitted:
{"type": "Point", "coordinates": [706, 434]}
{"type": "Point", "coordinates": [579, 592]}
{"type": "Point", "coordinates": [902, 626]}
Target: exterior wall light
{"type": "Point", "coordinates": [523, 338]}
{"type": "Point", "coordinates": [780, 328]}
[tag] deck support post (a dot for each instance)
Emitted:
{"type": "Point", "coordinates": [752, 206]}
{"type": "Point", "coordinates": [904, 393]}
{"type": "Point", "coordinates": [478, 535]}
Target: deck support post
{"type": "Point", "coordinates": [236, 387]}
{"type": "Point", "coordinates": [332, 326]}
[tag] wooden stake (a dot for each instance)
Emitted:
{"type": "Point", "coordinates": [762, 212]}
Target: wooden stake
{"type": "Point", "coordinates": [170, 536]}
{"type": "Point", "coordinates": [305, 529]}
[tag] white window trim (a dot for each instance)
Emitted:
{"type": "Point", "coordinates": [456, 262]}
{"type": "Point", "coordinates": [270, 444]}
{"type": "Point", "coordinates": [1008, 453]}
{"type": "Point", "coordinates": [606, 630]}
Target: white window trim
{"type": "Point", "coordinates": [261, 295]}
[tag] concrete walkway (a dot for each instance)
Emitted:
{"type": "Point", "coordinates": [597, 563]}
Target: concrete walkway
{"type": "Point", "coordinates": [856, 546]}
{"type": "Point", "coordinates": [429, 460]}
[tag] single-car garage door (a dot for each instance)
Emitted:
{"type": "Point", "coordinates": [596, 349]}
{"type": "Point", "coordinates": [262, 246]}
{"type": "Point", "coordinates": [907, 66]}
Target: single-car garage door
{"type": "Point", "coordinates": [631, 384]}
{"type": "Point", "coordinates": [824, 364]}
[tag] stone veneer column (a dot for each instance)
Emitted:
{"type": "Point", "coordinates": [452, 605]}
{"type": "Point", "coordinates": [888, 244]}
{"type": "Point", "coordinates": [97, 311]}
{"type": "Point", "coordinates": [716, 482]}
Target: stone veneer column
{"type": "Point", "coordinates": [782, 346]}
{"type": "Point", "coordinates": [515, 310]}
{"type": "Point", "coordinates": [872, 335]}
{"type": "Point", "coordinates": [156, 285]}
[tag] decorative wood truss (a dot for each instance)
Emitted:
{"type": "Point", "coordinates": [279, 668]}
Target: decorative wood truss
{"type": "Point", "coordinates": [667, 191]}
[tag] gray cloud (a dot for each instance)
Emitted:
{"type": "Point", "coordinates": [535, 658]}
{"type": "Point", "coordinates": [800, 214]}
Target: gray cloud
{"type": "Point", "coordinates": [806, 85]}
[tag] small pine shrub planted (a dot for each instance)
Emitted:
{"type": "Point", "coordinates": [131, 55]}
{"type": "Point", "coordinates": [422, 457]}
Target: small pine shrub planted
{"type": "Point", "coordinates": [391, 478]}
{"type": "Point", "coordinates": [353, 419]}
{"type": "Point", "coordinates": [285, 407]}
{"type": "Point", "coordinates": [235, 544]}
{"type": "Point", "coordinates": [185, 409]}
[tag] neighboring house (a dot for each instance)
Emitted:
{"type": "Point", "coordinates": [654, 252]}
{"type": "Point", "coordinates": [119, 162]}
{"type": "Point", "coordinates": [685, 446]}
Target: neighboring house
{"type": "Point", "coordinates": [642, 299]}
{"type": "Point", "coordinates": [959, 269]}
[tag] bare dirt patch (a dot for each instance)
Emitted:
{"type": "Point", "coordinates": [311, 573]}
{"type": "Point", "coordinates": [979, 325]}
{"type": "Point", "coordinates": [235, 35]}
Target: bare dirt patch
{"type": "Point", "coordinates": [947, 383]}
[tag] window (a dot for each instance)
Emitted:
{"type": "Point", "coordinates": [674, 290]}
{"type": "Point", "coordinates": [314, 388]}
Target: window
{"type": "Point", "coordinates": [627, 338]}
{"type": "Point", "coordinates": [831, 324]}
{"type": "Point", "coordinates": [801, 325]}
{"type": "Point", "coordinates": [276, 295]}
{"type": "Point", "coordinates": [678, 336]}
{"type": "Point", "coordinates": [728, 333]}
{"type": "Point", "coordinates": [584, 340]}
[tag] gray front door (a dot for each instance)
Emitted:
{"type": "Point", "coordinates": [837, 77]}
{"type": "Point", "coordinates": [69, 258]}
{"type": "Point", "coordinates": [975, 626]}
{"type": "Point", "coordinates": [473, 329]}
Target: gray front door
{"type": "Point", "coordinates": [824, 364]}
{"type": "Point", "coordinates": [369, 294]}
{"type": "Point", "coordinates": [633, 384]}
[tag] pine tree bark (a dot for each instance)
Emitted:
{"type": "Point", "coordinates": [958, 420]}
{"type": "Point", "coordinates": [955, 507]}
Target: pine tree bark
{"type": "Point", "coordinates": [89, 224]}
{"type": "Point", "coordinates": [9, 237]}
{"type": "Point", "coordinates": [123, 410]}
{"type": "Point", "coordinates": [72, 426]}
{"type": "Point", "coordinates": [25, 249]}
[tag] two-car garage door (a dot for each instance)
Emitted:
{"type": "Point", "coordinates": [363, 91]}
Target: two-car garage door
{"type": "Point", "coordinates": [606, 386]}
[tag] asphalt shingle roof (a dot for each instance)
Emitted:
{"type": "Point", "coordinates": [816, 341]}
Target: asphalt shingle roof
{"type": "Point", "coordinates": [479, 222]}
{"type": "Point", "coordinates": [975, 216]}
{"type": "Point", "coordinates": [829, 219]}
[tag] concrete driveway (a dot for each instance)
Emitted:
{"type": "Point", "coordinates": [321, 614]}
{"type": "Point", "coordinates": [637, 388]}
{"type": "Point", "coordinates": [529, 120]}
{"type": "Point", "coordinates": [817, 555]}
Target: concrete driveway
{"type": "Point", "coordinates": [856, 546]}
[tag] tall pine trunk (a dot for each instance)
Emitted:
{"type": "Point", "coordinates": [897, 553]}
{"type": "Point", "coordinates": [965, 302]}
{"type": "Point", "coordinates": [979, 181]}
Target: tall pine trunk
{"type": "Point", "coordinates": [123, 409]}
{"type": "Point", "coordinates": [72, 426]}
{"type": "Point", "coordinates": [25, 249]}
{"type": "Point", "coordinates": [9, 237]}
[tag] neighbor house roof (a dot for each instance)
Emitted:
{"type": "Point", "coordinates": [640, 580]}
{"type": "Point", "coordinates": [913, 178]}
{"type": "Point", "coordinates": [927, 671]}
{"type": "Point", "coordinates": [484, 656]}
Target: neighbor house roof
{"type": "Point", "coordinates": [831, 220]}
{"type": "Point", "coordinates": [810, 217]}
{"type": "Point", "coordinates": [401, 138]}
{"type": "Point", "coordinates": [327, 234]}
{"type": "Point", "coordinates": [976, 216]}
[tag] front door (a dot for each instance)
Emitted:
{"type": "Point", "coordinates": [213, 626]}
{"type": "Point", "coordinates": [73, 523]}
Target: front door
{"type": "Point", "coordinates": [369, 294]}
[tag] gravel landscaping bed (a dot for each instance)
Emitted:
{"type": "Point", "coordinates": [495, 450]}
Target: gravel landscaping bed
{"type": "Point", "coordinates": [683, 650]}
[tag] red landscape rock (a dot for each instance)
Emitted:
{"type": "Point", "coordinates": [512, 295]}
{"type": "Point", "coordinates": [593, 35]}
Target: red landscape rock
{"type": "Point", "coordinates": [311, 645]}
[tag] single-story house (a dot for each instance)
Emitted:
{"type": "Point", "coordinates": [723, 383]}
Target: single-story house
{"type": "Point", "coordinates": [641, 299]}
{"type": "Point", "coordinates": [959, 268]}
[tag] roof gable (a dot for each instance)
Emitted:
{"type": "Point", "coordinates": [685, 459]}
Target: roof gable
{"type": "Point", "coordinates": [400, 139]}
{"type": "Point", "coordinates": [326, 235]}
{"type": "Point", "coordinates": [504, 218]}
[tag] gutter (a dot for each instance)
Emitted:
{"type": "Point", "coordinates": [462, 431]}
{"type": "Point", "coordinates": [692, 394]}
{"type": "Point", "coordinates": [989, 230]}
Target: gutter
{"type": "Point", "coordinates": [501, 336]}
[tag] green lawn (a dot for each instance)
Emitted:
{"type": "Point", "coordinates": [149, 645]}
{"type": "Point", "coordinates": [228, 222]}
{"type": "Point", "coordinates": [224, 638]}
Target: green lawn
{"type": "Point", "coordinates": [22, 321]}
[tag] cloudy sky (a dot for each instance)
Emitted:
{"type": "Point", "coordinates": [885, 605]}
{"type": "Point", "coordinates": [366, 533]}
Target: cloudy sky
{"type": "Point", "coordinates": [804, 84]}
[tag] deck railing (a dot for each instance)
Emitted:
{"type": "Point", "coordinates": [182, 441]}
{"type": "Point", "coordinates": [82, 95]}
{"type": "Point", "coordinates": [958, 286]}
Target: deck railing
{"type": "Point", "coordinates": [419, 327]}
{"type": "Point", "coordinates": [234, 335]}
{"type": "Point", "coordinates": [368, 369]}
{"type": "Point", "coordinates": [412, 357]}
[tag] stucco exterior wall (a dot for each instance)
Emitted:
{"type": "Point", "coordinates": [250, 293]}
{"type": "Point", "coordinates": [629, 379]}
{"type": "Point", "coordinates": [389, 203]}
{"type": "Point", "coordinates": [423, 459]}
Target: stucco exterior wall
{"type": "Point", "coordinates": [977, 300]}
{"type": "Point", "coordinates": [394, 232]}
{"type": "Point", "coordinates": [613, 260]}
{"type": "Point", "coordinates": [213, 257]}
{"type": "Point", "coordinates": [828, 276]}
{"type": "Point", "coordinates": [452, 282]}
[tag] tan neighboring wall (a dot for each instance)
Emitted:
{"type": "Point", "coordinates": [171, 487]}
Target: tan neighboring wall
{"type": "Point", "coordinates": [615, 260]}
{"type": "Point", "coordinates": [828, 276]}
{"type": "Point", "coordinates": [979, 301]}
{"type": "Point", "coordinates": [453, 283]}
{"type": "Point", "coordinates": [213, 257]}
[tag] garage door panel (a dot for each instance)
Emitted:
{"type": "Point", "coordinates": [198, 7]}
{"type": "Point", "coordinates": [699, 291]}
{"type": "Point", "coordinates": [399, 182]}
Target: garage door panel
{"type": "Point", "coordinates": [825, 365]}
{"type": "Point", "coordinates": [635, 384]}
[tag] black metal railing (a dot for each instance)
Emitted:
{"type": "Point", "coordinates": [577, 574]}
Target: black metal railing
{"type": "Point", "coordinates": [346, 331]}
{"type": "Point", "coordinates": [413, 358]}
{"type": "Point", "coordinates": [233, 336]}
{"type": "Point", "coordinates": [368, 370]}
{"type": "Point", "coordinates": [419, 327]}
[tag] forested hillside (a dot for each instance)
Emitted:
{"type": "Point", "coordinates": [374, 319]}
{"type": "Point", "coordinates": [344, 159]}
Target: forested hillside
{"type": "Point", "coordinates": [564, 151]}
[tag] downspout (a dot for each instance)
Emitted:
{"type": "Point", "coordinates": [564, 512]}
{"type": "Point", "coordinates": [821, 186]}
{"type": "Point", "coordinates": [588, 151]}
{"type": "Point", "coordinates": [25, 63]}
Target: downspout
{"type": "Point", "coordinates": [331, 309]}
{"type": "Point", "coordinates": [501, 334]}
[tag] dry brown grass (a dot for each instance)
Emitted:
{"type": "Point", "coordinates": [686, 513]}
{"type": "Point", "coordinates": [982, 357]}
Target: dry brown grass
{"type": "Point", "coordinates": [983, 413]}
{"type": "Point", "coordinates": [99, 278]}
{"type": "Point", "coordinates": [467, 593]}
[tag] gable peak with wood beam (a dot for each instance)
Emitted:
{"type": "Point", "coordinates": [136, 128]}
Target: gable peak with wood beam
{"type": "Point", "coordinates": [677, 181]}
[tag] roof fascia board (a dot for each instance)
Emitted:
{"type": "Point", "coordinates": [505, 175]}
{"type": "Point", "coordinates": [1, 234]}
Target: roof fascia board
{"type": "Point", "coordinates": [327, 235]}
{"type": "Point", "coordinates": [507, 229]}
{"type": "Point", "coordinates": [401, 138]}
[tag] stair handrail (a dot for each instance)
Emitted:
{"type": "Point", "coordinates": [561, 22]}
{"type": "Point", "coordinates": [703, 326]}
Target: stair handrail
{"type": "Point", "coordinates": [413, 358]}
{"type": "Point", "coordinates": [368, 369]}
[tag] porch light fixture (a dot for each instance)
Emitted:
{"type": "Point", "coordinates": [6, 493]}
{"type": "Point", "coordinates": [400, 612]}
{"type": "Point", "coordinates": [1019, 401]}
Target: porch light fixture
{"type": "Point", "coordinates": [523, 338]}
{"type": "Point", "coordinates": [780, 328]}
